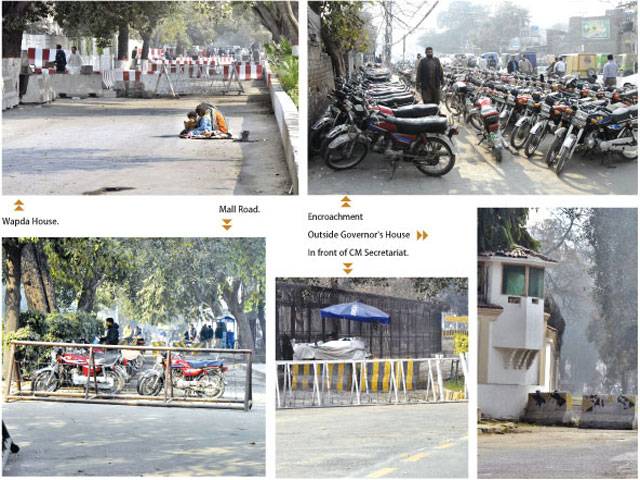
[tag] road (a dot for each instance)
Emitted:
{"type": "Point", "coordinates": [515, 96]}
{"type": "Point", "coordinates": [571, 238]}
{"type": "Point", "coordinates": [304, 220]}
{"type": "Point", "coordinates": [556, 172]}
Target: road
{"type": "Point", "coordinates": [397, 441]}
{"type": "Point", "coordinates": [71, 439]}
{"type": "Point", "coordinates": [559, 452]}
{"type": "Point", "coordinates": [131, 146]}
{"type": "Point", "coordinates": [477, 173]}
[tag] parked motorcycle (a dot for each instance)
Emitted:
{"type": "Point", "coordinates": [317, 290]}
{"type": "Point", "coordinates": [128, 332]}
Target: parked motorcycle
{"type": "Point", "coordinates": [204, 378]}
{"type": "Point", "coordinates": [73, 369]}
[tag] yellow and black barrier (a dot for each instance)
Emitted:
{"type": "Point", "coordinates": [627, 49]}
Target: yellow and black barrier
{"type": "Point", "coordinates": [549, 408]}
{"type": "Point", "coordinates": [357, 382]}
{"type": "Point", "coordinates": [616, 412]}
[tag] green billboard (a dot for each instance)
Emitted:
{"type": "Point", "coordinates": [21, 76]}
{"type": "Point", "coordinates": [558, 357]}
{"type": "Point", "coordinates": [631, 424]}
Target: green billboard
{"type": "Point", "coordinates": [596, 29]}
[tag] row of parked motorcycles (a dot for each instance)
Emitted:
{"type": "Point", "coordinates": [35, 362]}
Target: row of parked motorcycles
{"type": "Point", "coordinates": [578, 115]}
{"type": "Point", "coordinates": [372, 113]}
{"type": "Point", "coordinates": [113, 369]}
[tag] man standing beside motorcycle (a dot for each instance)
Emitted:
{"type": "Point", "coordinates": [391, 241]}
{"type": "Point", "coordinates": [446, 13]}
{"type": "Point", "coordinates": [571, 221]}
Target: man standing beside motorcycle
{"type": "Point", "coordinates": [112, 336]}
{"type": "Point", "coordinates": [429, 78]}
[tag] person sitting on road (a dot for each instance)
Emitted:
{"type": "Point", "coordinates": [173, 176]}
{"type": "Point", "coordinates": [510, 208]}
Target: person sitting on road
{"type": "Point", "coordinates": [190, 124]}
{"type": "Point", "coordinates": [211, 123]}
{"type": "Point", "coordinates": [112, 336]}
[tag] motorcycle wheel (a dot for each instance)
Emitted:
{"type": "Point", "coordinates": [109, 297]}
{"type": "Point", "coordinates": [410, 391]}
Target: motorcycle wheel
{"type": "Point", "coordinates": [118, 381]}
{"type": "Point", "coordinates": [347, 155]}
{"type": "Point", "coordinates": [532, 143]}
{"type": "Point", "coordinates": [497, 153]}
{"type": "Point", "coordinates": [475, 120]}
{"type": "Point", "coordinates": [45, 382]}
{"type": "Point", "coordinates": [215, 387]}
{"type": "Point", "coordinates": [633, 153]}
{"type": "Point", "coordinates": [150, 385]}
{"type": "Point", "coordinates": [551, 156]}
{"type": "Point", "coordinates": [520, 135]}
{"type": "Point", "coordinates": [435, 147]}
{"type": "Point", "coordinates": [456, 105]}
{"type": "Point", "coordinates": [315, 140]}
{"type": "Point", "coordinates": [138, 362]}
{"type": "Point", "coordinates": [563, 157]}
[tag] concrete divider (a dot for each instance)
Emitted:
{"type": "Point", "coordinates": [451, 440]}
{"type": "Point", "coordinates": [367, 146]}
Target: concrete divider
{"type": "Point", "coordinates": [549, 408]}
{"type": "Point", "coordinates": [286, 114]}
{"type": "Point", "coordinates": [40, 89]}
{"type": "Point", "coordinates": [10, 82]}
{"type": "Point", "coordinates": [77, 85]}
{"type": "Point", "coordinates": [617, 412]}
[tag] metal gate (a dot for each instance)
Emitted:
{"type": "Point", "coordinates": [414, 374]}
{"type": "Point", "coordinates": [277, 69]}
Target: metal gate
{"type": "Point", "coordinates": [90, 367]}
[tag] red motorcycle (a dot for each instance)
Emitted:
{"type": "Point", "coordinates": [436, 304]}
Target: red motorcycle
{"type": "Point", "coordinates": [197, 378]}
{"type": "Point", "coordinates": [73, 369]}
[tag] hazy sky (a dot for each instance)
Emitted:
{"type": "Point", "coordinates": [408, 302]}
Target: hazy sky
{"type": "Point", "coordinates": [544, 13]}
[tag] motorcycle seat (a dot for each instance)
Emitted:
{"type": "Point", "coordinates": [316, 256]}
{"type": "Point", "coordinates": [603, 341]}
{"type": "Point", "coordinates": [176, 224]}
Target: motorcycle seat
{"type": "Point", "coordinates": [415, 126]}
{"type": "Point", "coordinates": [621, 114]}
{"type": "Point", "coordinates": [205, 363]}
{"type": "Point", "coordinates": [416, 111]}
{"type": "Point", "coordinates": [107, 359]}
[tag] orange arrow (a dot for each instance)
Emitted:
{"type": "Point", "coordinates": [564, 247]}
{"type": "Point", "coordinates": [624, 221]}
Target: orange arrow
{"type": "Point", "coordinates": [227, 223]}
{"type": "Point", "coordinates": [347, 267]}
{"type": "Point", "coordinates": [421, 235]}
{"type": "Point", "coordinates": [19, 205]}
{"type": "Point", "coordinates": [345, 201]}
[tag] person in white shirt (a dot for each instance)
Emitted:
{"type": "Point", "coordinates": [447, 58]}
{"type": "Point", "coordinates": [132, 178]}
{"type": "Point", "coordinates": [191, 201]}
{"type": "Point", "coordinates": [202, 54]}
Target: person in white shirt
{"type": "Point", "coordinates": [525, 65]}
{"type": "Point", "coordinates": [75, 61]}
{"type": "Point", "coordinates": [560, 67]}
{"type": "Point", "coordinates": [610, 72]}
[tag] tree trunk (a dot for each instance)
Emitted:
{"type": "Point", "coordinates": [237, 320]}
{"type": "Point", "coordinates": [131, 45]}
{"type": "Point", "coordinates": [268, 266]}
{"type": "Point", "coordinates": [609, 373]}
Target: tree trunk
{"type": "Point", "coordinates": [38, 286]}
{"type": "Point", "coordinates": [13, 265]}
{"type": "Point", "coordinates": [336, 53]}
{"type": "Point", "coordinates": [230, 293]}
{"type": "Point", "coordinates": [277, 18]}
{"type": "Point", "coordinates": [87, 298]}
{"type": "Point", "coordinates": [146, 38]}
{"type": "Point", "coordinates": [123, 42]}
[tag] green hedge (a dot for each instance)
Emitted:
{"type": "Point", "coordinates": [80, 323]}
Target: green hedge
{"type": "Point", "coordinates": [55, 327]}
{"type": "Point", "coordinates": [285, 65]}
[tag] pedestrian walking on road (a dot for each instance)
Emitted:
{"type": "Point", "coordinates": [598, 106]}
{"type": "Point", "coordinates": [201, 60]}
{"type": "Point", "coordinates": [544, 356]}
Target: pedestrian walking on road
{"type": "Point", "coordinates": [61, 60]}
{"type": "Point", "coordinates": [512, 66]}
{"type": "Point", "coordinates": [560, 68]}
{"type": "Point", "coordinates": [75, 61]}
{"type": "Point", "coordinates": [134, 58]}
{"type": "Point", "coordinates": [610, 72]}
{"type": "Point", "coordinates": [429, 77]}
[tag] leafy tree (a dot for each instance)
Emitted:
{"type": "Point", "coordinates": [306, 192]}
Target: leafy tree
{"type": "Point", "coordinates": [503, 228]}
{"type": "Point", "coordinates": [342, 29]}
{"type": "Point", "coordinates": [15, 17]}
{"type": "Point", "coordinates": [613, 234]}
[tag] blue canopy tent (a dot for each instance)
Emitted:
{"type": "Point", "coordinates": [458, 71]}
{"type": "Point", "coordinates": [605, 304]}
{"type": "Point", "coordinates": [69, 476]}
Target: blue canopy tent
{"type": "Point", "coordinates": [360, 312]}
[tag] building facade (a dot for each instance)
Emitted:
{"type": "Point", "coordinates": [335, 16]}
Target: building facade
{"type": "Point", "coordinates": [517, 350]}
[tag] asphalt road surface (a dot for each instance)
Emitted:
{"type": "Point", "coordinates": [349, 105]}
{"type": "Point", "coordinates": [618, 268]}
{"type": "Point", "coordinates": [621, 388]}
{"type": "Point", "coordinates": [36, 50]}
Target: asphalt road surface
{"type": "Point", "coordinates": [559, 452]}
{"type": "Point", "coordinates": [477, 173]}
{"type": "Point", "coordinates": [131, 146]}
{"type": "Point", "coordinates": [73, 439]}
{"type": "Point", "coordinates": [395, 441]}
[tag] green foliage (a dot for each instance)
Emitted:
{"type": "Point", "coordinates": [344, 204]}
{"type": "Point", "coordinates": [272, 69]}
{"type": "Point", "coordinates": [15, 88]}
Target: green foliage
{"type": "Point", "coordinates": [613, 235]}
{"type": "Point", "coordinates": [503, 228]}
{"type": "Point", "coordinates": [55, 327]}
{"type": "Point", "coordinates": [455, 384]}
{"type": "Point", "coordinates": [285, 65]}
{"type": "Point", "coordinates": [16, 15]}
{"type": "Point", "coordinates": [460, 343]}
{"type": "Point", "coordinates": [72, 327]}
{"type": "Point", "coordinates": [344, 23]}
